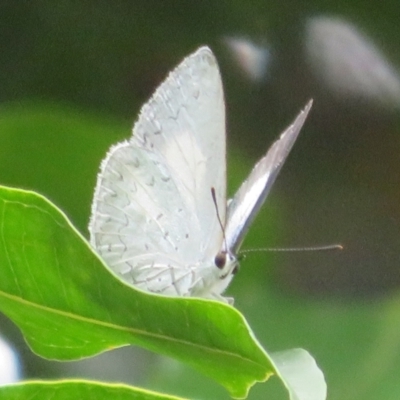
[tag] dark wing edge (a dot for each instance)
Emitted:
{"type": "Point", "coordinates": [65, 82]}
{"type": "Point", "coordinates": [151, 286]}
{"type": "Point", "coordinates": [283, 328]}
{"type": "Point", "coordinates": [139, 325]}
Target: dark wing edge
{"type": "Point", "coordinates": [251, 195]}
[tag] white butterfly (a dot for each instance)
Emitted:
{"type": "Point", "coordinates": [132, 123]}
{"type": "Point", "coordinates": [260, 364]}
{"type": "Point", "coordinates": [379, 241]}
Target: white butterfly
{"type": "Point", "coordinates": [153, 220]}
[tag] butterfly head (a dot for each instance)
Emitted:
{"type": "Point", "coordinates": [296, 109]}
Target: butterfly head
{"type": "Point", "coordinates": [226, 263]}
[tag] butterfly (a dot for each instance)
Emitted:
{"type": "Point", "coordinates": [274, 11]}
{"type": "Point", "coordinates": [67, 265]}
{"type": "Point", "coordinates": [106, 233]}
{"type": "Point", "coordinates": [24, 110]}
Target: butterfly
{"type": "Point", "coordinates": [154, 213]}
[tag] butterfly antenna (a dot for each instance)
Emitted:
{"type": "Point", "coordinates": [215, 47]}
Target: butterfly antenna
{"type": "Point", "coordinates": [214, 197]}
{"type": "Point", "coordinates": [293, 249]}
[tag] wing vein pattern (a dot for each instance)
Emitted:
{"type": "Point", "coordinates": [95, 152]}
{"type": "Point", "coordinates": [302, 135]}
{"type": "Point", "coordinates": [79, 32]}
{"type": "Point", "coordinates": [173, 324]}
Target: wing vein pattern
{"type": "Point", "coordinates": [153, 220]}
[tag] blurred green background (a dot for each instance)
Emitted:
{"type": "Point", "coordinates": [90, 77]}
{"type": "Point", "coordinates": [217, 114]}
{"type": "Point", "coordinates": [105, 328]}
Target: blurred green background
{"type": "Point", "coordinates": [73, 76]}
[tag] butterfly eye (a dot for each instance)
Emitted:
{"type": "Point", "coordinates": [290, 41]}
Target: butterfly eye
{"type": "Point", "coordinates": [220, 260]}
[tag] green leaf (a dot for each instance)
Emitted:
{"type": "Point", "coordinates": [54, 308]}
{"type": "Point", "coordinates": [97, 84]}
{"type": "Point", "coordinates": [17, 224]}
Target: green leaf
{"type": "Point", "coordinates": [77, 389]}
{"type": "Point", "coordinates": [69, 305]}
{"type": "Point", "coordinates": [297, 369]}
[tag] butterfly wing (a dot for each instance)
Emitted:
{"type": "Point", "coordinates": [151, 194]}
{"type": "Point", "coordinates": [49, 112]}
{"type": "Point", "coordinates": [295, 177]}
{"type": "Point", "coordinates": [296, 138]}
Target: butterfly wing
{"type": "Point", "coordinates": [153, 219]}
{"type": "Point", "coordinates": [252, 193]}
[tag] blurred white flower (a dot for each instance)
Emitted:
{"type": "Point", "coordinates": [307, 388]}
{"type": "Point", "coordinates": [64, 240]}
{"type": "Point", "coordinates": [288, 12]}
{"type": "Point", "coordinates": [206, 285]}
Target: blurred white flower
{"type": "Point", "coordinates": [9, 364]}
{"type": "Point", "coordinates": [251, 58]}
{"type": "Point", "coordinates": [349, 64]}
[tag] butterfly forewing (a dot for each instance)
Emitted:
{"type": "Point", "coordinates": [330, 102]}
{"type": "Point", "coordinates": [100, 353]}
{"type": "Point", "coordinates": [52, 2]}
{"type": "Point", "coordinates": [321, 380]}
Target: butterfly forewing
{"type": "Point", "coordinates": [187, 116]}
{"type": "Point", "coordinates": [153, 217]}
{"type": "Point", "coordinates": [254, 190]}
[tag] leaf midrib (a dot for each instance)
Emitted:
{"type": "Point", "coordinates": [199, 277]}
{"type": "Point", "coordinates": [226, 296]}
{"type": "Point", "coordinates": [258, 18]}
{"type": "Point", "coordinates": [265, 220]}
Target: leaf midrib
{"type": "Point", "coordinates": [127, 329]}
